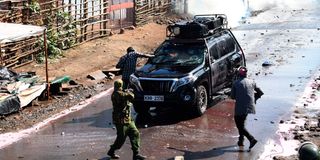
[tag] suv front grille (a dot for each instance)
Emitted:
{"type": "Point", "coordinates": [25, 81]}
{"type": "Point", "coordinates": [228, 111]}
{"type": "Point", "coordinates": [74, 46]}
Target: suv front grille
{"type": "Point", "coordinates": [155, 86]}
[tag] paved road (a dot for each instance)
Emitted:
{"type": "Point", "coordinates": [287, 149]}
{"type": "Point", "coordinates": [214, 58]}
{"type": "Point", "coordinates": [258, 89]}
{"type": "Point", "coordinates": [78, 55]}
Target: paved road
{"type": "Point", "coordinates": [87, 134]}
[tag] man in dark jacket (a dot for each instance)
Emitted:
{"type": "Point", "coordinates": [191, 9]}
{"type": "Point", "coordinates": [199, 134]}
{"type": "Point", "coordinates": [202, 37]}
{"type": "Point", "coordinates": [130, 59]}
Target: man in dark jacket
{"type": "Point", "coordinates": [245, 92]}
{"type": "Point", "coordinates": [128, 63]}
{"type": "Point", "coordinates": [121, 115]}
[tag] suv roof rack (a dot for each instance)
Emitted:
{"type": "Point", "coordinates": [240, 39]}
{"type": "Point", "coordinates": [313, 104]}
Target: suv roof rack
{"type": "Point", "coordinates": [200, 27]}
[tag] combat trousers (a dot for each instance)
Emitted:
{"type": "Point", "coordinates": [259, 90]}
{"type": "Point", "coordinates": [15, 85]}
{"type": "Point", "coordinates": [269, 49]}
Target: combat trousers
{"type": "Point", "coordinates": [240, 121]}
{"type": "Point", "coordinates": [124, 130]}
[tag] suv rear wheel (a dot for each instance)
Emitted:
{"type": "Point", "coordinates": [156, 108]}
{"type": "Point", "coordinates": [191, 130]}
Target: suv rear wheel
{"type": "Point", "coordinates": [201, 101]}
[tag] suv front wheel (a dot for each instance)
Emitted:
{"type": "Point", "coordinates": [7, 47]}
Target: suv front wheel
{"type": "Point", "coordinates": [201, 101]}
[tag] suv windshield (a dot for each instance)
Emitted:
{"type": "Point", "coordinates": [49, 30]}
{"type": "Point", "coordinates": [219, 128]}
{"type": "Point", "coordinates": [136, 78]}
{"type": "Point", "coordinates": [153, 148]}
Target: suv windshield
{"type": "Point", "coordinates": [179, 54]}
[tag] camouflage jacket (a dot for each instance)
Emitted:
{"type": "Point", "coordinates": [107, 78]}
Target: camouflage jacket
{"type": "Point", "coordinates": [121, 101]}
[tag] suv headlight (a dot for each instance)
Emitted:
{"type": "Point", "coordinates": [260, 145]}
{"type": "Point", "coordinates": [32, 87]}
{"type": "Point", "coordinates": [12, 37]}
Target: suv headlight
{"type": "Point", "coordinates": [183, 81]}
{"type": "Point", "coordinates": [176, 31]}
{"type": "Point", "coordinates": [135, 81]}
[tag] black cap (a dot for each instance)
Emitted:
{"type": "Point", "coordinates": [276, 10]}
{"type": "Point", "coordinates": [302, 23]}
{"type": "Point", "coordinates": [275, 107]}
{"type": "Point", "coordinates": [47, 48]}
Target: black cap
{"type": "Point", "coordinates": [130, 49]}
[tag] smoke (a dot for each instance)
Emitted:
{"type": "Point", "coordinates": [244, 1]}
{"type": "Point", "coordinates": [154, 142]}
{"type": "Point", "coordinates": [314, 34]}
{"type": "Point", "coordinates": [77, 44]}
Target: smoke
{"type": "Point", "coordinates": [234, 9]}
{"type": "Point", "coordinates": [282, 4]}
{"type": "Point", "coordinates": [238, 9]}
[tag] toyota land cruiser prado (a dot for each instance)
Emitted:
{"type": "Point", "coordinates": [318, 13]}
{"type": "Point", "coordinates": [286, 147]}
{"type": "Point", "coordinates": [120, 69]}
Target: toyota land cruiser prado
{"type": "Point", "coordinates": [197, 59]}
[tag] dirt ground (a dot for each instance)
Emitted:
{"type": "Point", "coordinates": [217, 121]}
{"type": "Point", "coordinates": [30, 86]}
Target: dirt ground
{"type": "Point", "coordinates": [99, 54]}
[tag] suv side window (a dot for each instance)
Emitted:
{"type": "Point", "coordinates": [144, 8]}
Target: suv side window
{"type": "Point", "coordinates": [230, 44]}
{"type": "Point", "coordinates": [226, 45]}
{"type": "Point", "coordinates": [222, 47]}
{"type": "Point", "coordinates": [214, 53]}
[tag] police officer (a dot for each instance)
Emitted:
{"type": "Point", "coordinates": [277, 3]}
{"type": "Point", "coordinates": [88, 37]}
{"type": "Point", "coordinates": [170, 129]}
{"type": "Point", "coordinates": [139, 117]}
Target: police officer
{"type": "Point", "coordinates": [121, 115]}
{"type": "Point", "coordinates": [245, 92]}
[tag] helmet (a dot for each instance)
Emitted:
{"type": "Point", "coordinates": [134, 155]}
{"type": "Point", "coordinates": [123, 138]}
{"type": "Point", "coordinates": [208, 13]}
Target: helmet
{"type": "Point", "coordinates": [308, 151]}
{"type": "Point", "coordinates": [118, 84]}
{"type": "Point", "coordinates": [242, 71]}
{"type": "Point", "coordinates": [130, 49]}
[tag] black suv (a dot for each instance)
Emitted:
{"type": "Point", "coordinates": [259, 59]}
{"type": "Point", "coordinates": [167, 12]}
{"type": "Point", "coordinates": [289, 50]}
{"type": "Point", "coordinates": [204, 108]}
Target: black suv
{"type": "Point", "coordinates": [197, 59]}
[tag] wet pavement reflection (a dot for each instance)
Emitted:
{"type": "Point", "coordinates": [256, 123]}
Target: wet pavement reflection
{"type": "Point", "coordinates": [87, 134]}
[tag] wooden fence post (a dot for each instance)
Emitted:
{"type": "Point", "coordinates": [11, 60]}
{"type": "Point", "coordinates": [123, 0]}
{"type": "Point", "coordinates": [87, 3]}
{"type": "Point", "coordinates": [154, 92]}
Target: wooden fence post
{"type": "Point", "coordinates": [93, 18]}
{"type": "Point", "coordinates": [81, 20]}
{"type": "Point", "coordinates": [134, 12]}
{"type": "Point", "coordinates": [85, 16]}
{"type": "Point", "coordinates": [55, 12]}
{"type": "Point", "coordinates": [105, 11]}
{"type": "Point", "coordinates": [100, 16]}
{"type": "Point", "coordinates": [46, 58]}
{"type": "Point", "coordinates": [69, 8]}
{"type": "Point", "coordinates": [62, 4]}
{"type": "Point", "coordinates": [1, 56]}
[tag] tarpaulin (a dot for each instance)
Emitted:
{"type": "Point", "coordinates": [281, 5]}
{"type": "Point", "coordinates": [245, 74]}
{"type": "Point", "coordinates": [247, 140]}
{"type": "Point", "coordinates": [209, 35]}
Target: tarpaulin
{"type": "Point", "coordinates": [28, 95]}
{"type": "Point", "coordinates": [9, 105]}
{"type": "Point", "coordinates": [10, 32]}
{"type": "Point", "coordinates": [6, 74]}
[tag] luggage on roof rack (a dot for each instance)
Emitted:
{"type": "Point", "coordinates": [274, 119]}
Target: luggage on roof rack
{"type": "Point", "coordinates": [200, 27]}
{"type": "Point", "coordinates": [188, 30]}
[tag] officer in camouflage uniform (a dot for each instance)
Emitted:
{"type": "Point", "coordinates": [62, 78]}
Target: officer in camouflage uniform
{"type": "Point", "coordinates": [121, 115]}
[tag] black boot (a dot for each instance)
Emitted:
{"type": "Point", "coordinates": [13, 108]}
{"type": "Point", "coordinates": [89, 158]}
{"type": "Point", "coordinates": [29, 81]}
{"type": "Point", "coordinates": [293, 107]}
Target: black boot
{"type": "Point", "coordinates": [240, 143]}
{"type": "Point", "coordinates": [112, 154]}
{"type": "Point", "coordinates": [252, 143]}
{"type": "Point", "coordinates": [138, 157]}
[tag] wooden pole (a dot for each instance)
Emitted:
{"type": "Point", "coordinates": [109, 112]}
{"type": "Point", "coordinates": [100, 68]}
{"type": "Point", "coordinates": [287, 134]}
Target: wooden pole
{"type": "Point", "coordinates": [134, 12]}
{"type": "Point", "coordinates": [62, 4]}
{"type": "Point", "coordinates": [105, 11]}
{"type": "Point", "coordinates": [93, 18]}
{"type": "Point", "coordinates": [69, 8]}
{"type": "Point", "coordinates": [76, 17]}
{"type": "Point", "coordinates": [46, 59]}
{"type": "Point", "coordinates": [55, 13]}
{"type": "Point", "coordinates": [1, 56]}
{"type": "Point", "coordinates": [85, 16]}
{"type": "Point", "coordinates": [100, 17]}
{"type": "Point", "coordinates": [113, 14]}
{"type": "Point", "coordinates": [81, 23]}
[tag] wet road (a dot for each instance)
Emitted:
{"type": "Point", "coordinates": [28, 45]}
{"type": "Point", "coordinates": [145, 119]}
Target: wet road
{"type": "Point", "coordinates": [87, 134]}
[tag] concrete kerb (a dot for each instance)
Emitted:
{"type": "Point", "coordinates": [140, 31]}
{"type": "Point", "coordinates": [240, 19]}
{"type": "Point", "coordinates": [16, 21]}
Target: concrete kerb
{"type": "Point", "coordinates": [11, 137]}
{"type": "Point", "coordinates": [280, 146]}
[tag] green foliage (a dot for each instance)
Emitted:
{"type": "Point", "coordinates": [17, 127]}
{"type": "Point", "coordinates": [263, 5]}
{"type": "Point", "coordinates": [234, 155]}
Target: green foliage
{"type": "Point", "coordinates": [34, 6]}
{"type": "Point", "coordinates": [62, 37]}
{"type": "Point", "coordinates": [53, 50]}
{"type": "Point", "coordinates": [52, 42]}
{"type": "Point", "coordinates": [68, 32]}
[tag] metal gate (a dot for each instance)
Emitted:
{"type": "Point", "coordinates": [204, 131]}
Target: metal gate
{"type": "Point", "coordinates": [121, 13]}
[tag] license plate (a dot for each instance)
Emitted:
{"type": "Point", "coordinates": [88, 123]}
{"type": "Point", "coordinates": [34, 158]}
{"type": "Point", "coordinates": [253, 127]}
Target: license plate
{"type": "Point", "coordinates": [153, 98]}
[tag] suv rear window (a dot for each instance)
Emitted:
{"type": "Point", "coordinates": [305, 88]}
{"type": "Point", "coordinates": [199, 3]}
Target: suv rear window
{"type": "Point", "coordinates": [179, 54]}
